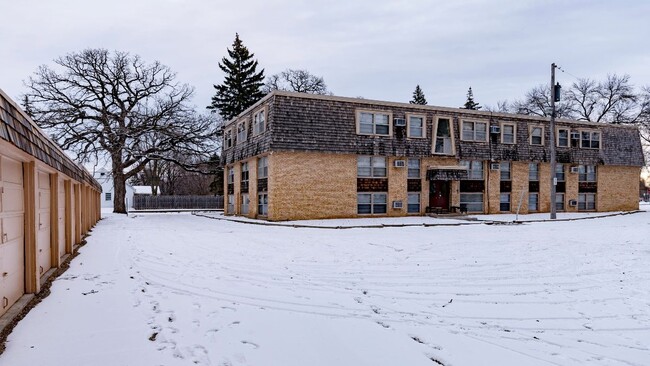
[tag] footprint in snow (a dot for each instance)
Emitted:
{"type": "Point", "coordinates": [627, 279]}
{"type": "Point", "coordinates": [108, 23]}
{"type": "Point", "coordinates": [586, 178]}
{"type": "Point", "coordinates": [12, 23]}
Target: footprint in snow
{"type": "Point", "coordinates": [254, 345]}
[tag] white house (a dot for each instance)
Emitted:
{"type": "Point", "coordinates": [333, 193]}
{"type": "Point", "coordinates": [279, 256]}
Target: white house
{"type": "Point", "coordinates": [105, 178]}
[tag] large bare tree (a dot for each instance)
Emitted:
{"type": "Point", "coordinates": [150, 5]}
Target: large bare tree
{"type": "Point", "coordinates": [612, 100]}
{"type": "Point", "coordinates": [98, 105]}
{"type": "Point", "coordinates": [301, 81]}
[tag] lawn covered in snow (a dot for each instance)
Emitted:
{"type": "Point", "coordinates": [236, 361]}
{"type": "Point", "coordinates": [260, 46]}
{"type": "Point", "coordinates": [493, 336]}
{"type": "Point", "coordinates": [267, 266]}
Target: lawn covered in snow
{"type": "Point", "coordinates": [179, 289]}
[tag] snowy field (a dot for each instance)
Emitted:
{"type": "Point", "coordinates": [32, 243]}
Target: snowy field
{"type": "Point", "coordinates": [178, 289]}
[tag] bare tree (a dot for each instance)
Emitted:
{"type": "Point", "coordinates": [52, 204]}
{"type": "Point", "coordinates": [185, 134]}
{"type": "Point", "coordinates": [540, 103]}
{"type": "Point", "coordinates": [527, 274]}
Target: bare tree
{"type": "Point", "coordinates": [99, 105]}
{"type": "Point", "coordinates": [296, 80]}
{"type": "Point", "coordinates": [538, 103]}
{"type": "Point", "coordinates": [612, 100]}
{"type": "Point", "coordinates": [503, 106]}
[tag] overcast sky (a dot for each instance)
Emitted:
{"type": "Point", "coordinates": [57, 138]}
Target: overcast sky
{"type": "Point", "coordinates": [372, 48]}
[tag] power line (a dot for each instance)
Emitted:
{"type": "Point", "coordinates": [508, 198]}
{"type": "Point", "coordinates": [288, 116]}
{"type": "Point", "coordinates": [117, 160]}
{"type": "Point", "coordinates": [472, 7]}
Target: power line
{"type": "Point", "coordinates": [566, 72]}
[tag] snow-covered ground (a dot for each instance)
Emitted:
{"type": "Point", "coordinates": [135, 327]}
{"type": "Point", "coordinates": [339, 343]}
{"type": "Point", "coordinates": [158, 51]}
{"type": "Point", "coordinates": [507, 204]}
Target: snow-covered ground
{"type": "Point", "coordinates": [179, 289]}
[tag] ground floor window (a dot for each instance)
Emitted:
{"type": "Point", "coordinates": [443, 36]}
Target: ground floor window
{"type": "Point", "coordinates": [473, 201]}
{"type": "Point", "coordinates": [586, 201]}
{"type": "Point", "coordinates": [413, 203]}
{"type": "Point", "coordinates": [371, 203]}
{"type": "Point", "coordinates": [533, 201]}
{"type": "Point", "coordinates": [245, 202]}
{"type": "Point", "coordinates": [108, 196]}
{"type": "Point", "coordinates": [559, 201]}
{"type": "Point", "coordinates": [231, 204]}
{"type": "Point", "coordinates": [504, 202]}
{"type": "Point", "coordinates": [263, 204]}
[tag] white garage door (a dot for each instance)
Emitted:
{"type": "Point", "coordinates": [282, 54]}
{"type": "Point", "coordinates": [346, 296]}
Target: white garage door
{"type": "Point", "coordinates": [12, 238]}
{"type": "Point", "coordinates": [61, 218]}
{"type": "Point", "coordinates": [43, 221]}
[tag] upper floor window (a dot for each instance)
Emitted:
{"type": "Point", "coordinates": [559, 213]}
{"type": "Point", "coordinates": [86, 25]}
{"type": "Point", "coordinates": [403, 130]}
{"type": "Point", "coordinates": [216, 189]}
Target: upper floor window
{"type": "Point", "coordinates": [231, 175]}
{"type": "Point", "coordinates": [559, 172]}
{"type": "Point", "coordinates": [474, 131]}
{"type": "Point", "coordinates": [442, 141]}
{"type": "Point", "coordinates": [536, 135]}
{"type": "Point", "coordinates": [374, 123]}
{"type": "Point", "coordinates": [533, 172]}
{"type": "Point", "coordinates": [474, 169]}
{"type": "Point", "coordinates": [259, 122]}
{"type": "Point", "coordinates": [262, 167]}
{"type": "Point", "coordinates": [227, 139]}
{"type": "Point", "coordinates": [371, 167]}
{"type": "Point", "coordinates": [504, 168]}
{"type": "Point", "coordinates": [590, 139]}
{"type": "Point", "coordinates": [415, 126]}
{"type": "Point", "coordinates": [586, 173]}
{"type": "Point", "coordinates": [508, 133]}
{"type": "Point", "coordinates": [563, 137]}
{"type": "Point", "coordinates": [244, 172]}
{"type": "Point", "coordinates": [414, 168]}
{"type": "Point", "coordinates": [242, 132]}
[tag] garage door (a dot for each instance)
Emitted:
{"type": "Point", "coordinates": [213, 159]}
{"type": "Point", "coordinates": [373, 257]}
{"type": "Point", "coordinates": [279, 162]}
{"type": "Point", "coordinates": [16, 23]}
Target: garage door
{"type": "Point", "coordinates": [61, 217]}
{"type": "Point", "coordinates": [12, 252]}
{"type": "Point", "coordinates": [43, 222]}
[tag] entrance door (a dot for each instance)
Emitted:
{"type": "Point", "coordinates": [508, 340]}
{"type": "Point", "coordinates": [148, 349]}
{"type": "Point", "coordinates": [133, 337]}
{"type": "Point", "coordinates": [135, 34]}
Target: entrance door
{"type": "Point", "coordinates": [439, 194]}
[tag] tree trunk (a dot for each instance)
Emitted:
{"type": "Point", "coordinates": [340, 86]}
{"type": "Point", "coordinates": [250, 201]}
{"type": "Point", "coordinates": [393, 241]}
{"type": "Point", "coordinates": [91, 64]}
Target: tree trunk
{"type": "Point", "coordinates": [119, 186]}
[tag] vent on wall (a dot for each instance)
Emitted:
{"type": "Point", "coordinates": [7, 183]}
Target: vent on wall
{"type": "Point", "coordinates": [495, 166]}
{"type": "Point", "coordinates": [399, 122]}
{"type": "Point", "coordinates": [399, 163]}
{"type": "Point", "coordinates": [574, 170]}
{"type": "Point", "coordinates": [495, 130]}
{"type": "Point", "coordinates": [397, 204]}
{"type": "Point", "coordinates": [573, 203]}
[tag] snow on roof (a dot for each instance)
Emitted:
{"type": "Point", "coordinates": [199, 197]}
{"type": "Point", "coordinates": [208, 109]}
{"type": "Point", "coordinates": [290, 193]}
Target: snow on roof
{"type": "Point", "coordinates": [142, 190]}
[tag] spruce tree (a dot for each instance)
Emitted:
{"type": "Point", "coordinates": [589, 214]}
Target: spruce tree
{"type": "Point", "coordinates": [470, 103]}
{"type": "Point", "coordinates": [242, 85]}
{"type": "Point", "coordinates": [418, 96]}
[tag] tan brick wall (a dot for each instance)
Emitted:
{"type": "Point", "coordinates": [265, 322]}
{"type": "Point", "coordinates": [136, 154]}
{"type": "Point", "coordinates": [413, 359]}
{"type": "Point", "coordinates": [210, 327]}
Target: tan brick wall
{"type": "Point", "coordinates": [544, 187]}
{"type": "Point", "coordinates": [571, 188]}
{"type": "Point", "coordinates": [252, 187]}
{"type": "Point", "coordinates": [618, 188]}
{"type": "Point", "coordinates": [397, 186]}
{"type": "Point", "coordinates": [492, 187]}
{"type": "Point", "coordinates": [519, 186]}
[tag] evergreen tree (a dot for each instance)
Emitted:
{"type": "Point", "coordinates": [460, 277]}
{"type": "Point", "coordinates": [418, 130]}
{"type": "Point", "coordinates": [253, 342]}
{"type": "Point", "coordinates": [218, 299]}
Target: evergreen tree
{"type": "Point", "coordinates": [242, 86]}
{"type": "Point", "coordinates": [470, 103]}
{"type": "Point", "coordinates": [418, 96]}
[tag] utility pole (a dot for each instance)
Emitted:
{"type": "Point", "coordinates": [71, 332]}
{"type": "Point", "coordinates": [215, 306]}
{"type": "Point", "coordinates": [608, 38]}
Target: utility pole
{"type": "Point", "coordinates": [552, 142]}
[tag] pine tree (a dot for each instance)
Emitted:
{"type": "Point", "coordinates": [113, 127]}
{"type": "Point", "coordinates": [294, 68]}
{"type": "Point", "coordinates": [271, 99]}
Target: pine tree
{"type": "Point", "coordinates": [242, 86]}
{"type": "Point", "coordinates": [470, 103]}
{"type": "Point", "coordinates": [418, 96]}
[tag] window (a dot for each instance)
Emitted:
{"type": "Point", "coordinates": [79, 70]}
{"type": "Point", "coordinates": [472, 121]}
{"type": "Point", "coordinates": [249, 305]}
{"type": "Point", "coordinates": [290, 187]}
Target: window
{"type": "Point", "coordinates": [508, 133]}
{"type": "Point", "coordinates": [263, 204]}
{"type": "Point", "coordinates": [442, 141]}
{"type": "Point", "coordinates": [559, 172]}
{"type": "Point", "coordinates": [559, 201]}
{"type": "Point", "coordinates": [504, 168]}
{"type": "Point", "coordinates": [473, 201]}
{"type": "Point", "coordinates": [245, 203]}
{"type": "Point", "coordinates": [371, 167]}
{"type": "Point", "coordinates": [562, 137]}
{"type": "Point", "coordinates": [244, 172]}
{"type": "Point", "coordinates": [262, 167]}
{"type": "Point", "coordinates": [474, 169]}
{"type": "Point", "coordinates": [374, 123]}
{"type": "Point", "coordinates": [474, 131]}
{"type": "Point", "coordinates": [413, 204]}
{"type": "Point", "coordinates": [107, 196]}
{"type": "Point", "coordinates": [586, 201]}
{"type": "Point", "coordinates": [259, 122]}
{"type": "Point", "coordinates": [371, 203]}
{"type": "Point", "coordinates": [242, 133]}
{"type": "Point", "coordinates": [536, 135]}
{"type": "Point", "coordinates": [586, 173]}
{"type": "Point", "coordinates": [590, 139]}
{"type": "Point", "coordinates": [504, 202]}
{"type": "Point", "coordinates": [231, 175]}
{"type": "Point", "coordinates": [533, 201]}
{"type": "Point", "coordinates": [533, 172]}
{"type": "Point", "coordinates": [228, 139]}
{"type": "Point", "coordinates": [416, 126]}
{"type": "Point", "coordinates": [231, 204]}
{"type": "Point", "coordinates": [414, 168]}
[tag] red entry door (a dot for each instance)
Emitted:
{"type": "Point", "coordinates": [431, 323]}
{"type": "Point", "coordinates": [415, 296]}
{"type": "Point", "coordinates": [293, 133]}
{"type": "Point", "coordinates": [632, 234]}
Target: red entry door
{"type": "Point", "coordinates": [439, 194]}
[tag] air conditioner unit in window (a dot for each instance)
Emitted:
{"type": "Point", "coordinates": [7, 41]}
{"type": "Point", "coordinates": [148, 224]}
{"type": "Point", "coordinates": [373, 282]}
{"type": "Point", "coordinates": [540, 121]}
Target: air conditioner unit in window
{"type": "Point", "coordinates": [495, 166]}
{"type": "Point", "coordinates": [573, 203]}
{"type": "Point", "coordinates": [575, 135]}
{"type": "Point", "coordinates": [399, 122]}
{"type": "Point", "coordinates": [399, 163]}
{"type": "Point", "coordinates": [398, 204]}
{"type": "Point", "coordinates": [495, 130]}
{"type": "Point", "coordinates": [574, 170]}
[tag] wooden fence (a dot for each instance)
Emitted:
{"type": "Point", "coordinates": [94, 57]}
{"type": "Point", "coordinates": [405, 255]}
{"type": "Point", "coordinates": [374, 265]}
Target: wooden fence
{"type": "Point", "coordinates": [142, 202]}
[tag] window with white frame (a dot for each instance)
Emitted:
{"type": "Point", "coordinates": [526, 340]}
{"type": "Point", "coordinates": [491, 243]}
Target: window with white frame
{"type": "Point", "coordinates": [586, 173]}
{"type": "Point", "coordinates": [262, 167]}
{"type": "Point", "coordinates": [107, 196]}
{"type": "Point", "coordinates": [244, 172]}
{"type": "Point", "coordinates": [590, 139]}
{"type": "Point", "coordinates": [414, 168]}
{"type": "Point", "coordinates": [474, 169]}
{"type": "Point", "coordinates": [504, 201]}
{"type": "Point", "coordinates": [231, 175]}
{"type": "Point", "coordinates": [245, 203]}
{"type": "Point", "coordinates": [227, 139]}
{"type": "Point", "coordinates": [586, 201]}
{"type": "Point", "coordinates": [559, 172]}
{"type": "Point", "coordinates": [442, 139]}
{"type": "Point", "coordinates": [563, 137]}
{"type": "Point", "coordinates": [533, 201]}
{"type": "Point", "coordinates": [559, 201]}
{"type": "Point", "coordinates": [259, 122]}
{"type": "Point", "coordinates": [262, 204]}
{"type": "Point", "coordinates": [474, 131]}
{"type": "Point", "coordinates": [533, 172]}
{"type": "Point", "coordinates": [536, 135]}
{"type": "Point", "coordinates": [416, 126]}
{"type": "Point", "coordinates": [371, 203]}
{"type": "Point", "coordinates": [231, 204]}
{"type": "Point", "coordinates": [242, 133]}
{"type": "Point", "coordinates": [473, 201]}
{"type": "Point", "coordinates": [508, 133]}
{"type": "Point", "coordinates": [374, 123]}
{"type": "Point", "coordinates": [371, 167]}
{"type": "Point", "coordinates": [504, 168]}
{"type": "Point", "coordinates": [413, 203]}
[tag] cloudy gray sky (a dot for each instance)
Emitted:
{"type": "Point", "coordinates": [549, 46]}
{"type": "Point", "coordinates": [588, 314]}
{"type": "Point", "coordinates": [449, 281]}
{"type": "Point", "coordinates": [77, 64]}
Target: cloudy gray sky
{"type": "Point", "coordinates": [377, 49]}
